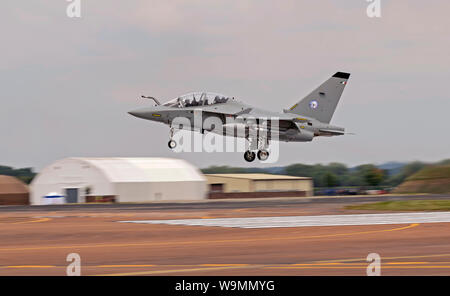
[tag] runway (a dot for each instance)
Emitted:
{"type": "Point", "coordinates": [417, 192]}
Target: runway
{"type": "Point", "coordinates": [305, 221]}
{"type": "Point", "coordinates": [284, 237]}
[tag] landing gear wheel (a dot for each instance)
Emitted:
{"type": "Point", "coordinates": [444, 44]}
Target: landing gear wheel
{"type": "Point", "coordinates": [249, 156]}
{"type": "Point", "coordinates": [263, 155]}
{"type": "Point", "coordinates": [172, 144]}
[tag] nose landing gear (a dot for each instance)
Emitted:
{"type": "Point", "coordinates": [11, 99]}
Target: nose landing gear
{"type": "Point", "coordinates": [172, 143]}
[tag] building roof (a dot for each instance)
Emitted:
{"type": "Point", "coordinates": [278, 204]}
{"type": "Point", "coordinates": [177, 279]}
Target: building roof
{"type": "Point", "coordinates": [258, 176]}
{"type": "Point", "coordinates": [143, 169]}
{"type": "Point", "coordinates": [146, 169]}
{"type": "Point", "coordinates": [10, 185]}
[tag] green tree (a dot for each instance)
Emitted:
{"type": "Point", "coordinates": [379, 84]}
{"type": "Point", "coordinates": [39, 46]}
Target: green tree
{"type": "Point", "coordinates": [331, 180]}
{"type": "Point", "coordinates": [24, 174]}
{"type": "Point", "coordinates": [374, 176]}
{"type": "Point", "coordinates": [338, 169]}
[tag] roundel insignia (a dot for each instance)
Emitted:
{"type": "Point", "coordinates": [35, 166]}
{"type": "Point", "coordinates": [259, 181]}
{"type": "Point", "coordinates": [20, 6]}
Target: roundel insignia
{"type": "Point", "coordinates": [313, 104]}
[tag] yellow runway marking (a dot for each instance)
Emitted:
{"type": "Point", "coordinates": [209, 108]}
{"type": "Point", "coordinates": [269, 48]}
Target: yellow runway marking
{"type": "Point", "coordinates": [127, 265]}
{"type": "Point", "coordinates": [211, 267]}
{"type": "Point", "coordinates": [326, 264]}
{"type": "Point", "coordinates": [240, 210]}
{"type": "Point", "coordinates": [363, 264]}
{"type": "Point", "coordinates": [33, 221]}
{"type": "Point", "coordinates": [354, 266]}
{"type": "Point", "coordinates": [170, 271]}
{"type": "Point", "coordinates": [224, 264]}
{"type": "Point", "coordinates": [401, 263]}
{"type": "Point", "coordinates": [30, 266]}
{"type": "Point", "coordinates": [208, 242]}
{"type": "Point", "coordinates": [387, 258]}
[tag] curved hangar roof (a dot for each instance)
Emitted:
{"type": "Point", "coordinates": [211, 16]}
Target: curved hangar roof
{"type": "Point", "coordinates": [121, 169]}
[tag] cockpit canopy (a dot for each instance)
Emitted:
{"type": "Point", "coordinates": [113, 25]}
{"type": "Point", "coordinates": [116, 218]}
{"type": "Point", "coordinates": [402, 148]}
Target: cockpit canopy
{"type": "Point", "coordinates": [198, 99]}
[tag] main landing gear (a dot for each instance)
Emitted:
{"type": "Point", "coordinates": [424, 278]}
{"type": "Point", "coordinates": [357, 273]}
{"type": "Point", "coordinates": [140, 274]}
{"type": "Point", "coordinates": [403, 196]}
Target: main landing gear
{"type": "Point", "coordinates": [262, 154]}
{"type": "Point", "coordinates": [249, 156]}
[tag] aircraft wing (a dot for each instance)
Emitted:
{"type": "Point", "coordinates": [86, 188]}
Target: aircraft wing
{"type": "Point", "coordinates": [227, 109]}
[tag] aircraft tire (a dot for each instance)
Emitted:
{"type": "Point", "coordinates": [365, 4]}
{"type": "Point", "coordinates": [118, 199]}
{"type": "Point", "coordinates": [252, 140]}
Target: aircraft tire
{"type": "Point", "coordinates": [263, 155]}
{"type": "Point", "coordinates": [172, 144]}
{"type": "Point", "coordinates": [249, 156]}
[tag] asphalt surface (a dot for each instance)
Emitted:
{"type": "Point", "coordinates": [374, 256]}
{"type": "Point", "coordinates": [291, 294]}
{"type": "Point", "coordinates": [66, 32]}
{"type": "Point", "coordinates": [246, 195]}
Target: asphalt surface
{"type": "Point", "coordinates": [37, 240]}
{"type": "Point", "coordinates": [222, 204]}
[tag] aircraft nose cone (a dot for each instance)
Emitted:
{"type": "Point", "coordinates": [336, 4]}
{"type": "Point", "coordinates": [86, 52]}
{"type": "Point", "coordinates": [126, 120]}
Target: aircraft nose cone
{"type": "Point", "coordinates": [137, 113]}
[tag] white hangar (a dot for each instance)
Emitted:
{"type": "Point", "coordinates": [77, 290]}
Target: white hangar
{"type": "Point", "coordinates": [118, 179]}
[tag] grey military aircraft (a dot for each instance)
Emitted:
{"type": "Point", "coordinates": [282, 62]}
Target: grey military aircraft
{"type": "Point", "coordinates": [308, 118]}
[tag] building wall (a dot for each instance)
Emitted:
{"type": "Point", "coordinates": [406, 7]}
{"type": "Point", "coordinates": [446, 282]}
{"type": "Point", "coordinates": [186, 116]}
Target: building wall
{"type": "Point", "coordinates": [14, 199]}
{"type": "Point", "coordinates": [260, 194]}
{"type": "Point", "coordinates": [154, 191]}
{"type": "Point", "coordinates": [284, 185]}
{"type": "Point", "coordinates": [231, 184]}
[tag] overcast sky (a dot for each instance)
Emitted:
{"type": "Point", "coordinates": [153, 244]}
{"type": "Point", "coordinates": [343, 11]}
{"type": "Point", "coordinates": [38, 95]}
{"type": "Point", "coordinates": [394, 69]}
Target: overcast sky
{"type": "Point", "coordinates": [66, 84]}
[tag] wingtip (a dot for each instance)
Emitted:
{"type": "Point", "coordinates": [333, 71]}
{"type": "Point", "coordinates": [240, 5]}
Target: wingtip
{"type": "Point", "coordinates": [342, 75]}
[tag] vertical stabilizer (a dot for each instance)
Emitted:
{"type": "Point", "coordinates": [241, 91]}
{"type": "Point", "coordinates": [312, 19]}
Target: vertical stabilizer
{"type": "Point", "coordinates": [321, 103]}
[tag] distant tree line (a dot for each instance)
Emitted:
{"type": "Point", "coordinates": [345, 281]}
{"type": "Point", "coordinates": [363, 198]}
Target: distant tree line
{"type": "Point", "coordinates": [336, 174]}
{"type": "Point", "coordinates": [24, 174]}
{"type": "Point", "coordinates": [329, 175]}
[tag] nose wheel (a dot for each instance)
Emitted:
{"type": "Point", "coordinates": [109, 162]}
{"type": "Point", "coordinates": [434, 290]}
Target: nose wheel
{"type": "Point", "coordinates": [172, 144]}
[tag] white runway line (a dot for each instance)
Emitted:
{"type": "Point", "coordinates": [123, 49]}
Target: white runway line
{"type": "Point", "coordinates": [305, 221]}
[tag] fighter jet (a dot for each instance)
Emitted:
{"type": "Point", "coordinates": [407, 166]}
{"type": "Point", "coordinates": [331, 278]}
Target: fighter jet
{"type": "Point", "coordinates": [308, 118]}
